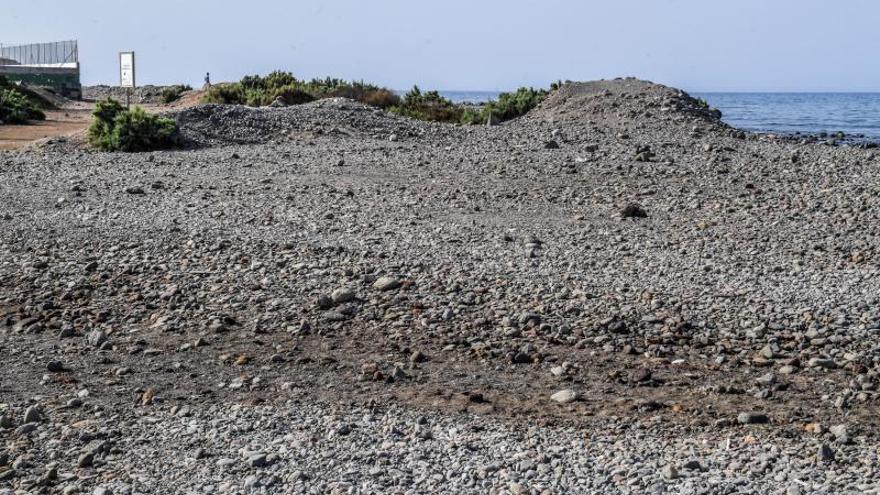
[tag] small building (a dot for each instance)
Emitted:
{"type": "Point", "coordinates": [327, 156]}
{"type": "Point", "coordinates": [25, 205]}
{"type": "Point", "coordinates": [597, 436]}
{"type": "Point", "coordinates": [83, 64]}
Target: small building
{"type": "Point", "coordinates": [54, 66]}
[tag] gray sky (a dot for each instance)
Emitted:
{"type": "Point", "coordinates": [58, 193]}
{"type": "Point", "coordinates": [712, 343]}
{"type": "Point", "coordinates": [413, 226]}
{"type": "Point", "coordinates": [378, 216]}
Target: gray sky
{"type": "Point", "coordinates": [699, 45]}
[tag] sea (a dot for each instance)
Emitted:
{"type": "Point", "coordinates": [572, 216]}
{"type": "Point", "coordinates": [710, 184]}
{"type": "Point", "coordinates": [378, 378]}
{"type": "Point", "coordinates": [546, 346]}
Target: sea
{"type": "Point", "coordinates": [855, 114]}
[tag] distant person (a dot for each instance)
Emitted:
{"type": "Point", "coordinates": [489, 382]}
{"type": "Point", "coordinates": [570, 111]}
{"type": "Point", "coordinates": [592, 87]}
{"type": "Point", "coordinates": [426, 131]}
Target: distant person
{"type": "Point", "coordinates": [207, 80]}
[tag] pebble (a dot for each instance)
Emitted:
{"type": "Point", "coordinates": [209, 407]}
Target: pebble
{"type": "Point", "coordinates": [33, 415]}
{"type": "Point", "coordinates": [750, 418]}
{"type": "Point", "coordinates": [387, 283]}
{"type": "Point", "coordinates": [342, 295]}
{"type": "Point", "coordinates": [564, 396]}
{"type": "Point", "coordinates": [825, 454]}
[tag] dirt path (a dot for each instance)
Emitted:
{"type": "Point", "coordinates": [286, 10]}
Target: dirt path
{"type": "Point", "coordinates": [58, 123]}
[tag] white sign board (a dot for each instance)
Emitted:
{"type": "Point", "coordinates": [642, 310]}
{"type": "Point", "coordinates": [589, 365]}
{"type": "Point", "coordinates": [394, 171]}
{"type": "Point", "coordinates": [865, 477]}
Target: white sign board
{"type": "Point", "coordinates": [126, 69]}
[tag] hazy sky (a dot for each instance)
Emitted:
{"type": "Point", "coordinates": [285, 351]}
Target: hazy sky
{"type": "Point", "coordinates": [699, 45]}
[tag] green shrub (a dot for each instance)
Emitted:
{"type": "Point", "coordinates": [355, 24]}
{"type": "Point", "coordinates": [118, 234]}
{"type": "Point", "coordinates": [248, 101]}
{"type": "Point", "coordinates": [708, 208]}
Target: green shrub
{"type": "Point", "coordinates": [279, 79]}
{"type": "Point", "coordinates": [508, 106]}
{"type": "Point", "coordinates": [428, 106]}
{"type": "Point", "coordinates": [19, 105]}
{"type": "Point", "coordinates": [257, 91]}
{"type": "Point", "coordinates": [225, 94]}
{"type": "Point", "coordinates": [512, 105]}
{"type": "Point", "coordinates": [115, 128]}
{"type": "Point", "coordinates": [103, 118]}
{"type": "Point", "coordinates": [16, 108]}
{"type": "Point", "coordinates": [173, 93]}
{"type": "Point", "coordinates": [473, 116]}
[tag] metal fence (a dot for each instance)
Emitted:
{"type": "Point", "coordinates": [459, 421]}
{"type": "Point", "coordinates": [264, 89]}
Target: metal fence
{"type": "Point", "coordinates": [59, 53]}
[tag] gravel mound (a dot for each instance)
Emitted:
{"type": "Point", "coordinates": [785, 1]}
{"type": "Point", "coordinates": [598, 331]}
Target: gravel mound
{"type": "Point", "coordinates": [213, 125]}
{"type": "Point", "coordinates": [623, 103]}
{"type": "Point", "coordinates": [142, 95]}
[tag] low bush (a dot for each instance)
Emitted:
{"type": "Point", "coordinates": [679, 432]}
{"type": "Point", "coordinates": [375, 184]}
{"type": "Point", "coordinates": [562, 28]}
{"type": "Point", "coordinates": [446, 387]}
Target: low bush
{"type": "Point", "coordinates": [173, 93]}
{"type": "Point", "coordinates": [16, 108]}
{"type": "Point", "coordinates": [19, 105]}
{"type": "Point", "coordinates": [115, 128]}
{"type": "Point", "coordinates": [225, 94]}
{"type": "Point", "coordinates": [428, 106]}
{"type": "Point", "coordinates": [257, 91]}
{"type": "Point", "coordinates": [513, 105]}
{"type": "Point", "coordinates": [508, 106]}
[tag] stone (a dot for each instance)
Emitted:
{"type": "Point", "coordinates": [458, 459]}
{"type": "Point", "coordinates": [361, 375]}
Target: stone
{"type": "Point", "coordinates": [564, 396]}
{"type": "Point", "coordinates": [324, 302]}
{"type": "Point", "coordinates": [33, 415]}
{"type": "Point", "coordinates": [342, 295]}
{"type": "Point", "coordinates": [387, 283]}
{"type": "Point", "coordinates": [55, 366]}
{"type": "Point", "coordinates": [825, 454]}
{"type": "Point", "coordinates": [669, 472]}
{"type": "Point", "coordinates": [751, 418]}
{"type": "Point", "coordinates": [788, 370]}
{"type": "Point", "coordinates": [821, 363]}
{"type": "Point", "coordinates": [96, 338]}
{"type": "Point", "coordinates": [135, 190]}
{"type": "Point", "coordinates": [633, 211]}
{"type": "Point", "coordinates": [521, 358]}
{"type": "Point", "coordinates": [767, 379]}
{"type": "Point", "coordinates": [86, 460]}
{"type": "Point", "coordinates": [102, 491]}
{"type": "Point", "coordinates": [643, 375]}
{"type": "Point", "coordinates": [841, 433]}
{"type": "Point", "coordinates": [258, 461]}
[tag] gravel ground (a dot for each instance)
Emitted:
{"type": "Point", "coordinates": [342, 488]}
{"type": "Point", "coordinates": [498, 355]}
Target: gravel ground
{"type": "Point", "coordinates": [142, 95]}
{"type": "Point", "coordinates": [616, 293]}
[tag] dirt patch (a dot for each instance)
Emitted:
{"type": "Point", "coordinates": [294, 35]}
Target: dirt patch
{"type": "Point", "coordinates": [57, 123]}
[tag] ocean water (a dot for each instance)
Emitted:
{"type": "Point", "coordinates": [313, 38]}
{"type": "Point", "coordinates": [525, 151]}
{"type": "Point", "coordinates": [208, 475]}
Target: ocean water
{"type": "Point", "coordinates": [855, 114]}
{"type": "Point", "coordinates": [470, 96]}
{"type": "Point", "coordinates": [807, 113]}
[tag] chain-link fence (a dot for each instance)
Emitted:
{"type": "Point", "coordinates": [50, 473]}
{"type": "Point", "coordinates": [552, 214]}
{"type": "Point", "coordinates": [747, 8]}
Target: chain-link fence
{"type": "Point", "coordinates": [56, 54]}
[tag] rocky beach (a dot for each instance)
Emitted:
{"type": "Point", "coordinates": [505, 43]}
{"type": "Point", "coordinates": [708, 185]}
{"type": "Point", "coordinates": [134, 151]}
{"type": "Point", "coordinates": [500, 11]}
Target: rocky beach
{"type": "Point", "coordinates": [615, 293]}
